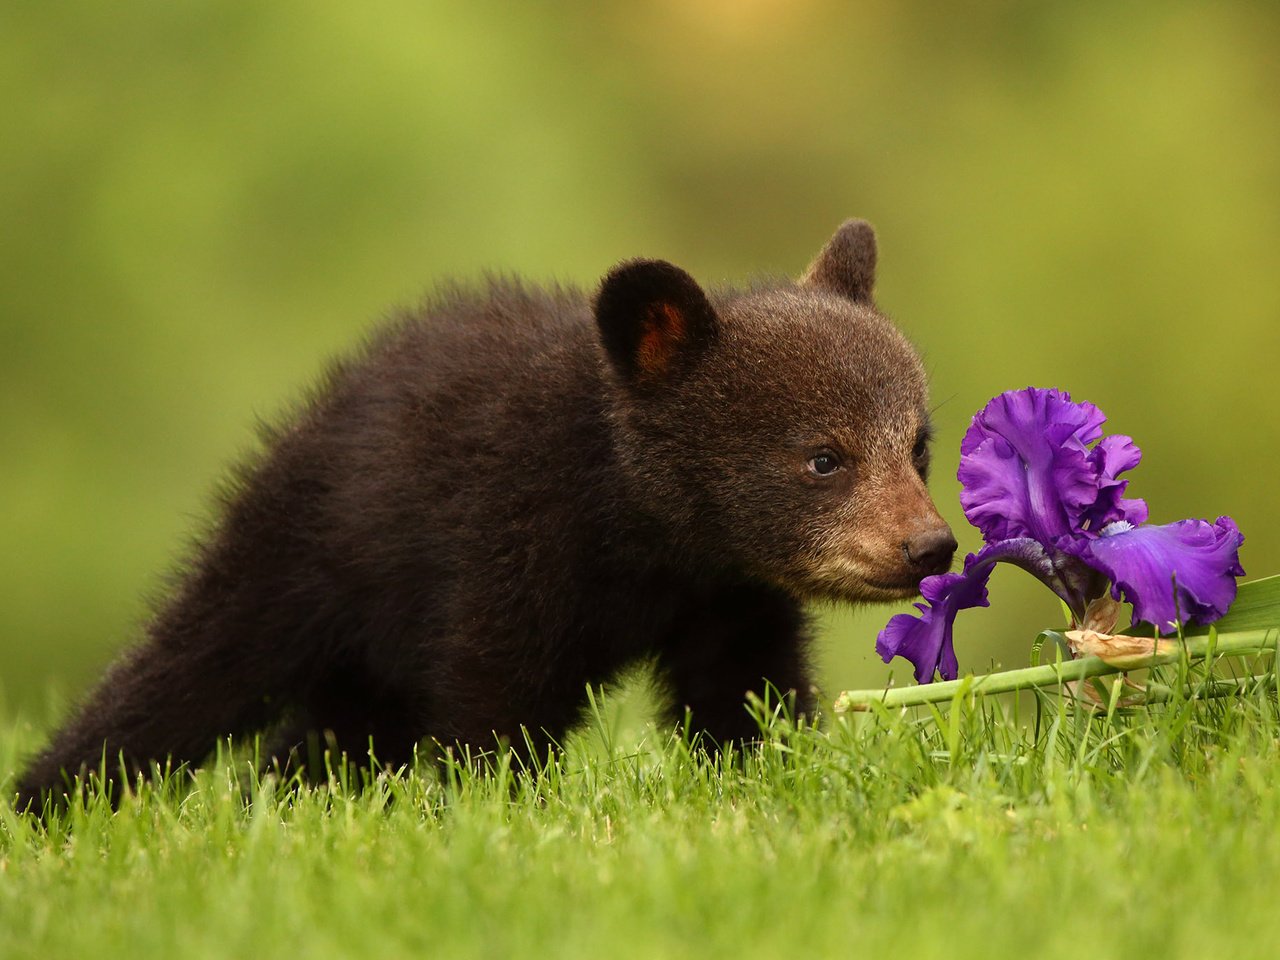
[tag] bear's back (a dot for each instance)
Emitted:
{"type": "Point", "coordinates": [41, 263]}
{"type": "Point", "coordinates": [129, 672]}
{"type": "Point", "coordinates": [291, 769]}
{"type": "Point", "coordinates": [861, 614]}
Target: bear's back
{"type": "Point", "coordinates": [457, 426]}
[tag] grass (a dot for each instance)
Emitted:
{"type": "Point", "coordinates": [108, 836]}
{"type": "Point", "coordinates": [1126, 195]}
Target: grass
{"type": "Point", "coordinates": [960, 832]}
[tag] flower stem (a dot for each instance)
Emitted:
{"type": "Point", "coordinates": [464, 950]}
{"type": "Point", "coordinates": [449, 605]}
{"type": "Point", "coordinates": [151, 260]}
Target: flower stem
{"type": "Point", "coordinates": [1210, 689]}
{"type": "Point", "coordinates": [1243, 644]}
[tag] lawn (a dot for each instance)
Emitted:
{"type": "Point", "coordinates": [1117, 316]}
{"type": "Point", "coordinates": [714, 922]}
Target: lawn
{"type": "Point", "coordinates": [972, 831]}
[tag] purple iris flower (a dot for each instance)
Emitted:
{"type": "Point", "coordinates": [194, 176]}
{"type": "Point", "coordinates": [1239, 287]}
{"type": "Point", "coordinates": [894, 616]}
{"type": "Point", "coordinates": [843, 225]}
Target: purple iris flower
{"type": "Point", "coordinates": [1041, 484]}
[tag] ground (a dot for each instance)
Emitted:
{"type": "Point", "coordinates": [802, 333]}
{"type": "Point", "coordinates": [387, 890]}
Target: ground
{"type": "Point", "coordinates": [972, 831]}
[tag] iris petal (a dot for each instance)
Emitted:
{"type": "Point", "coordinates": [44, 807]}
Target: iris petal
{"type": "Point", "coordinates": [1144, 562]}
{"type": "Point", "coordinates": [1025, 466]}
{"type": "Point", "coordinates": [1112, 456]}
{"type": "Point", "coordinates": [925, 638]}
{"type": "Point", "coordinates": [1013, 409]}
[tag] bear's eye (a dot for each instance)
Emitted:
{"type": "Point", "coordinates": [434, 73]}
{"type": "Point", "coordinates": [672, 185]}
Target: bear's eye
{"type": "Point", "coordinates": [824, 464]}
{"type": "Point", "coordinates": [920, 453]}
{"type": "Point", "coordinates": [921, 447]}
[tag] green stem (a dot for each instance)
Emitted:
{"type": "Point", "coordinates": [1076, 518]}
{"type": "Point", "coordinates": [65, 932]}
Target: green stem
{"type": "Point", "coordinates": [1243, 644]}
{"type": "Point", "coordinates": [1209, 689]}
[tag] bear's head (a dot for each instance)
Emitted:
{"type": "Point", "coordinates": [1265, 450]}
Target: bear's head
{"type": "Point", "coordinates": [780, 432]}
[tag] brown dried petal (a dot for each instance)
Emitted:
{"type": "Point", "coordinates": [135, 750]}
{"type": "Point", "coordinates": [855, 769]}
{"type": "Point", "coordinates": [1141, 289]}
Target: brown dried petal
{"type": "Point", "coordinates": [1119, 650]}
{"type": "Point", "coordinates": [1102, 615]}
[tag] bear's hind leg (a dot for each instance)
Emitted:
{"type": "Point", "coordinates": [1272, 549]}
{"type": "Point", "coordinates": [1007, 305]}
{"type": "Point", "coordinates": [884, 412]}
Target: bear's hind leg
{"type": "Point", "coordinates": [158, 703]}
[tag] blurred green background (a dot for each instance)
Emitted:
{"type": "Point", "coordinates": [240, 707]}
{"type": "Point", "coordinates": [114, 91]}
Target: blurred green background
{"type": "Point", "coordinates": [200, 202]}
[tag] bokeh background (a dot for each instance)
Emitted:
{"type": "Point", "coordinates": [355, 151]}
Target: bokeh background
{"type": "Point", "coordinates": [200, 202]}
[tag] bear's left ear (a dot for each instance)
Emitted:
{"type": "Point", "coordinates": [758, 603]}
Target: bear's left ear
{"type": "Point", "coordinates": [654, 319]}
{"type": "Point", "coordinates": [847, 264]}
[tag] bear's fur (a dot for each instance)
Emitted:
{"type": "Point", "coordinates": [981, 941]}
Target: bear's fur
{"type": "Point", "coordinates": [514, 493]}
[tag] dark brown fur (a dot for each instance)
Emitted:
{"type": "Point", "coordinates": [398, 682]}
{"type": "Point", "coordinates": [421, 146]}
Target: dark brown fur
{"type": "Point", "coordinates": [504, 499]}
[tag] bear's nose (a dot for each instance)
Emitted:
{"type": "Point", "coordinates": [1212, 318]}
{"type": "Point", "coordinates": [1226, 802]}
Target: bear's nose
{"type": "Point", "coordinates": [931, 550]}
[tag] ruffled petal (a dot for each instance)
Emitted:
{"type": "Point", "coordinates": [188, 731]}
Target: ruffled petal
{"type": "Point", "coordinates": [925, 638]}
{"type": "Point", "coordinates": [1025, 465]}
{"type": "Point", "coordinates": [1013, 409]}
{"type": "Point", "coordinates": [1143, 563]}
{"type": "Point", "coordinates": [1112, 456]}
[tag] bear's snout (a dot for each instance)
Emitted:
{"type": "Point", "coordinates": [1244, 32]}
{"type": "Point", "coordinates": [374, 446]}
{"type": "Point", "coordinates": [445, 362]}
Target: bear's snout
{"type": "Point", "coordinates": [930, 551]}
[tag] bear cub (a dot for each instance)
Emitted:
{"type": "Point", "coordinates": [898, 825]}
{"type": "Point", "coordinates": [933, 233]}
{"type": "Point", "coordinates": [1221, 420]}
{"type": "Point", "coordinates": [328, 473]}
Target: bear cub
{"type": "Point", "coordinates": [514, 493]}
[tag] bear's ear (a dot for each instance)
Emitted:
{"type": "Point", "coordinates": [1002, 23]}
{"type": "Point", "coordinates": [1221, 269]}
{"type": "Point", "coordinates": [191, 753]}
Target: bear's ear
{"type": "Point", "coordinates": [654, 318]}
{"type": "Point", "coordinates": [847, 264]}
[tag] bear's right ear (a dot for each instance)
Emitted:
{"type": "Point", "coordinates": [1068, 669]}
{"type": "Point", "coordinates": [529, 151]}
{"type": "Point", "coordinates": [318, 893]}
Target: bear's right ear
{"type": "Point", "coordinates": [654, 319]}
{"type": "Point", "coordinates": [847, 264]}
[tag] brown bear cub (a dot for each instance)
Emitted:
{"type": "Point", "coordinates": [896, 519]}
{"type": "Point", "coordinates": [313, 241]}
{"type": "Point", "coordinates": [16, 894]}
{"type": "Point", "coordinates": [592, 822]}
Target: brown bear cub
{"type": "Point", "coordinates": [515, 493]}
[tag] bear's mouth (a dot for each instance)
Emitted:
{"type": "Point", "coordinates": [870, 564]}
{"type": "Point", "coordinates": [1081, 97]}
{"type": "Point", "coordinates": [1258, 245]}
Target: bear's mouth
{"type": "Point", "coordinates": [844, 578]}
{"type": "Point", "coordinates": [903, 588]}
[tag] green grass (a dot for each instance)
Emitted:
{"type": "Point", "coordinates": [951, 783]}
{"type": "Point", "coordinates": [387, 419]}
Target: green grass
{"type": "Point", "coordinates": [958, 833]}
